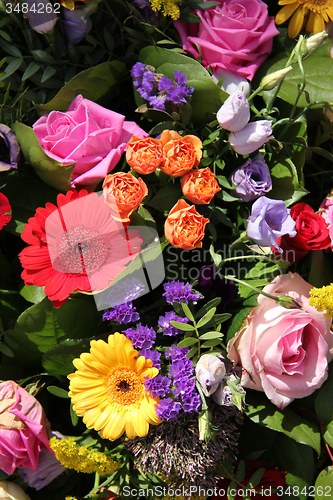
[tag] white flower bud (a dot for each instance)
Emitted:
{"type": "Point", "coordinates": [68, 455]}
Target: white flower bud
{"type": "Point", "coordinates": [12, 491]}
{"type": "Point", "coordinates": [210, 371]}
{"type": "Point", "coordinates": [313, 42]}
{"type": "Point", "coordinates": [272, 80]}
{"type": "Point", "coordinates": [234, 113]}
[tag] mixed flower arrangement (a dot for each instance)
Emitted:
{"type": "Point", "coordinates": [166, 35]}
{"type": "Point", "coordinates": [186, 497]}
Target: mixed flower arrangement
{"type": "Point", "coordinates": [166, 236]}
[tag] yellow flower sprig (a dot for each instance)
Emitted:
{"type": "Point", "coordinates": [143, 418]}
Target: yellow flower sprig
{"type": "Point", "coordinates": [170, 7]}
{"type": "Point", "coordinates": [81, 459]}
{"type": "Point", "coordinates": [322, 299]}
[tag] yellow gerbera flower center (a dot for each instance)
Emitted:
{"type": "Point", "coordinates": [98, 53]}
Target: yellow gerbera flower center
{"type": "Point", "coordinates": [125, 387]}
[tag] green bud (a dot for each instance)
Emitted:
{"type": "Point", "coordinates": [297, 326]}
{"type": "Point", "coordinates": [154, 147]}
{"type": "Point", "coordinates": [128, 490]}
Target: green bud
{"type": "Point", "coordinates": [272, 80]}
{"type": "Point", "coordinates": [288, 302]}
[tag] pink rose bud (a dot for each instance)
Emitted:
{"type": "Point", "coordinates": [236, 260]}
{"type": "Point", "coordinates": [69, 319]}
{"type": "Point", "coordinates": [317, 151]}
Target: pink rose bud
{"type": "Point", "coordinates": [234, 113]}
{"type": "Point", "coordinates": [210, 371]}
{"type": "Point", "coordinates": [23, 432]}
{"type": "Point", "coordinates": [251, 137]}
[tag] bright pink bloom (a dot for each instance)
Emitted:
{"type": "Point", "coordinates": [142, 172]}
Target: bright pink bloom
{"type": "Point", "coordinates": [88, 134]}
{"type": "Point", "coordinates": [236, 35]}
{"type": "Point", "coordinates": [77, 246]}
{"type": "Point", "coordinates": [23, 432]}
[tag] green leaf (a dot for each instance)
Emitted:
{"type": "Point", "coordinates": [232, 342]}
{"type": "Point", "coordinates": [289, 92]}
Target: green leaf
{"type": "Point", "coordinates": [211, 335]}
{"type": "Point", "coordinates": [166, 197]}
{"type": "Point", "coordinates": [43, 57]}
{"type": "Point", "coordinates": [57, 391]}
{"type": "Point", "coordinates": [94, 83]}
{"type": "Point", "coordinates": [31, 70]}
{"type": "Point", "coordinates": [6, 350]}
{"type": "Point", "coordinates": [284, 176]}
{"type": "Point", "coordinates": [33, 293]}
{"type": "Point", "coordinates": [263, 412]}
{"type": "Point", "coordinates": [211, 343]}
{"type": "Point", "coordinates": [49, 71]}
{"type": "Point", "coordinates": [187, 311]}
{"type": "Point", "coordinates": [182, 326]}
{"type": "Point", "coordinates": [324, 400]}
{"type": "Point", "coordinates": [324, 484]}
{"type": "Point", "coordinates": [50, 171]}
{"type": "Point", "coordinates": [212, 303]}
{"type": "Point", "coordinates": [248, 304]}
{"type": "Point", "coordinates": [11, 68]}
{"type": "Point", "coordinates": [74, 417]}
{"type": "Point", "coordinates": [58, 360]}
{"type": "Point", "coordinates": [206, 318]}
{"type": "Point", "coordinates": [207, 96]}
{"type": "Point", "coordinates": [187, 342]}
{"type": "Point", "coordinates": [11, 49]}
{"type": "Point", "coordinates": [327, 433]}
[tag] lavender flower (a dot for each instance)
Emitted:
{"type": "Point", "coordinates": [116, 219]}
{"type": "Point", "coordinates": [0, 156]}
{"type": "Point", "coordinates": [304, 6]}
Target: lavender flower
{"type": "Point", "coordinates": [48, 469]}
{"type": "Point", "coordinates": [167, 328]}
{"type": "Point", "coordinates": [9, 146]}
{"type": "Point", "coordinates": [252, 179]}
{"type": "Point", "coordinates": [269, 220]}
{"type": "Point", "coordinates": [155, 356]}
{"type": "Point", "coordinates": [158, 386]}
{"type": "Point", "coordinates": [42, 21]}
{"type": "Point", "coordinates": [251, 137]}
{"type": "Point", "coordinates": [142, 337]}
{"type": "Point", "coordinates": [123, 313]}
{"type": "Point", "coordinates": [234, 113]}
{"type": "Point", "coordinates": [77, 22]}
{"type": "Point", "coordinates": [177, 291]}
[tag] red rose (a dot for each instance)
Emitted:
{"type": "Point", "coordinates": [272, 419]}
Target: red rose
{"type": "Point", "coordinates": [312, 234]}
{"type": "Point", "coordinates": [5, 211]}
{"type": "Point", "coordinates": [270, 481]}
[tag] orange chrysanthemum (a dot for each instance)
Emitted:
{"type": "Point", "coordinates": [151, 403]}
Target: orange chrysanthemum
{"type": "Point", "coordinates": [310, 15]}
{"type": "Point", "coordinates": [108, 390]}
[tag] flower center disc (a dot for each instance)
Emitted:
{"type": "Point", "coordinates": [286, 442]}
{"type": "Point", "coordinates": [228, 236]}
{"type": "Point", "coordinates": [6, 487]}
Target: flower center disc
{"type": "Point", "coordinates": [81, 250]}
{"type": "Point", "coordinates": [125, 387]}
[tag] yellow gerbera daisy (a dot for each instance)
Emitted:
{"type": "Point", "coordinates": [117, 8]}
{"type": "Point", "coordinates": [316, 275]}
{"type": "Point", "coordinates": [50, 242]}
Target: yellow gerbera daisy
{"type": "Point", "coordinates": [310, 15]}
{"type": "Point", "coordinates": [108, 390]}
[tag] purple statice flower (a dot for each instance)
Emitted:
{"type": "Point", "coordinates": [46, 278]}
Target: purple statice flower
{"type": "Point", "coordinates": [252, 179]}
{"type": "Point", "coordinates": [178, 291]}
{"type": "Point", "coordinates": [192, 403]}
{"type": "Point", "coordinates": [155, 356]}
{"type": "Point", "coordinates": [125, 290]}
{"type": "Point", "coordinates": [180, 91]}
{"type": "Point", "coordinates": [123, 313]}
{"type": "Point", "coordinates": [165, 83]}
{"type": "Point", "coordinates": [142, 337]}
{"type": "Point", "coordinates": [184, 385]}
{"type": "Point", "coordinates": [176, 353]}
{"type": "Point", "coordinates": [9, 147]}
{"type": "Point", "coordinates": [147, 84]}
{"type": "Point", "coordinates": [157, 101]}
{"type": "Point", "coordinates": [269, 220]}
{"type": "Point", "coordinates": [251, 137]}
{"type": "Point", "coordinates": [158, 386]}
{"type": "Point", "coordinates": [179, 368]}
{"type": "Point", "coordinates": [137, 72]}
{"type": "Point", "coordinates": [168, 409]}
{"type": "Point", "coordinates": [167, 328]}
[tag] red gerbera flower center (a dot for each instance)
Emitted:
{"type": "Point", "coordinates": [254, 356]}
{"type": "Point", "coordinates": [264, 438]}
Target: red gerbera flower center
{"type": "Point", "coordinates": [81, 251]}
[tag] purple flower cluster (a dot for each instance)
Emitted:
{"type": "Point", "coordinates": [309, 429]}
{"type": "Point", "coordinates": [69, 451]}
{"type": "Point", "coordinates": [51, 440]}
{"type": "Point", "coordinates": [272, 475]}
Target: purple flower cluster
{"type": "Point", "coordinates": [183, 383]}
{"type": "Point", "coordinates": [167, 328]}
{"type": "Point", "coordinates": [158, 386]}
{"type": "Point", "coordinates": [178, 291]}
{"type": "Point", "coordinates": [142, 337]}
{"type": "Point", "coordinates": [155, 356]}
{"type": "Point", "coordinates": [123, 313]}
{"type": "Point", "coordinates": [157, 88]}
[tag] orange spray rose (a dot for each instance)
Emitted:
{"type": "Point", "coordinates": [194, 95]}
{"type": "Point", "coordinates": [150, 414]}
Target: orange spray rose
{"type": "Point", "coordinates": [185, 227]}
{"type": "Point", "coordinates": [123, 193]}
{"type": "Point", "coordinates": [200, 186]}
{"type": "Point", "coordinates": [180, 154]}
{"type": "Point", "coordinates": [144, 155]}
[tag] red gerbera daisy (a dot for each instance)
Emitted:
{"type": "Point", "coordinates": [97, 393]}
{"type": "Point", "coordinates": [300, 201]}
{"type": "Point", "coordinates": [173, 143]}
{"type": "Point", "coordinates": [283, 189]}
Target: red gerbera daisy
{"type": "Point", "coordinates": [5, 211]}
{"type": "Point", "coordinates": [77, 246]}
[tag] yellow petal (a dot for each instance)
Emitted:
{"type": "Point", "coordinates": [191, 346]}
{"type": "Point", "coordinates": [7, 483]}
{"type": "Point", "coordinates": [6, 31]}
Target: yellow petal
{"type": "Point", "coordinates": [285, 13]}
{"type": "Point", "coordinates": [319, 24]}
{"type": "Point", "coordinates": [296, 23]}
{"type": "Point", "coordinates": [140, 425]}
{"type": "Point", "coordinates": [115, 426]}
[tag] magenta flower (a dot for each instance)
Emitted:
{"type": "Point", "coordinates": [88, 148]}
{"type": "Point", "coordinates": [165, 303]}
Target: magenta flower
{"type": "Point", "coordinates": [23, 432]}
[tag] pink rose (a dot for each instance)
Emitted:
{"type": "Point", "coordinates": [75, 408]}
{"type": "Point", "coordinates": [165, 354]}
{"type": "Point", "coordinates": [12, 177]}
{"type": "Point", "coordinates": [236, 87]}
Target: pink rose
{"type": "Point", "coordinates": [326, 211]}
{"type": "Point", "coordinates": [23, 432]}
{"type": "Point", "coordinates": [284, 352]}
{"type": "Point", "coordinates": [235, 35]}
{"type": "Point", "coordinates": [88, 134]}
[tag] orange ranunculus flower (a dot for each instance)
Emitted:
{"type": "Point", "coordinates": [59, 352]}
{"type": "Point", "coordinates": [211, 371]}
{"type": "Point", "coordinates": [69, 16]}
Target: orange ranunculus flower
{"type": "Point", "coordinates": [123, 193]}
{"type": "Point", "coordinates": [180, 154]}
{"type": "Point", "coordinates": [200, 186]}
{"type": "Point", "coordinates": [185, 227]}
{"type": "Point", "coordinates": [144, 155]}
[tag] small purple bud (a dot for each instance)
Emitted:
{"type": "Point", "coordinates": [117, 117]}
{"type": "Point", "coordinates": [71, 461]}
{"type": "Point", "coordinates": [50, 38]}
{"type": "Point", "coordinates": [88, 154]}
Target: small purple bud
{"type": "Point", "coordinates": [251, 137]}
{"type": "Point", "coordinates": [234, 113]}
{"type": "Point", "coordinates": [269, 220]}
{"type": "Point", "coordinates": [77, 22]}
{"type": "Point", "coordinates": [40, 19]}
{"type": "Point", "coordinates": [252, 179]}
{"type": "Point", "coordinates": [9, 142]}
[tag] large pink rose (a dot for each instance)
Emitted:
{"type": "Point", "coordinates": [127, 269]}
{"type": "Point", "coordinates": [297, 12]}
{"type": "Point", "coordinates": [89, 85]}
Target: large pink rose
{"type": "Point", "coordinates": [284, 352]}
{"type": "Point", "coordinates": [23, 431]}
{"type": "Point", "coordinates": [235, 36]}
{"type": "Point", "coordinates": [88, 134]}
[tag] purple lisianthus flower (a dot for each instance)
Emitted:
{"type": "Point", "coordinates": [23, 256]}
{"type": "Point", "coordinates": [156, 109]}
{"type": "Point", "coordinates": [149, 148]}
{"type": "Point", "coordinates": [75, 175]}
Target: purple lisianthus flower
{"type": "Point", "coordinates": [234, 113]}
{"type": "Point", "coordinates": [77, 22]}
{"type": "Point", "coordinates": [178, 291]}
{"type": "Point", "coordinates": [142, 337]}
{"type": "Point", "coordinates": [269, 220]}
{"type": "Point", "coordinates": [251, 137]}
{"type": "Point", "coordinates": [122, 313]}
{"type": "Point", "coordinates": [48, 469]}
{"type": "Point", "coordinates": [252, 179]}
{"type": "Point", "coordinates": [168, 329]}
{"type": "Point", "coordinates": [42, 19]}
{"type": "Point", "coordinates": [9, 146]}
